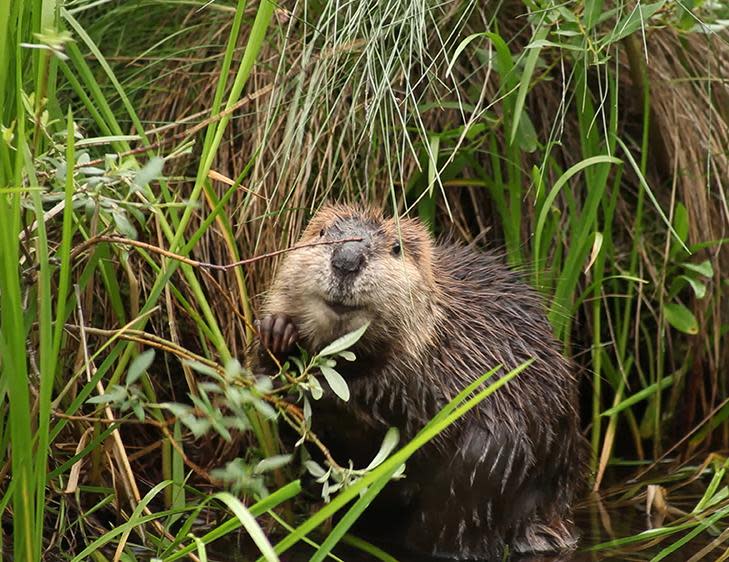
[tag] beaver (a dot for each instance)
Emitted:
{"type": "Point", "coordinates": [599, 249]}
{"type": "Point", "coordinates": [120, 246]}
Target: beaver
{"type": "Point", "coordinates": [505, 477]}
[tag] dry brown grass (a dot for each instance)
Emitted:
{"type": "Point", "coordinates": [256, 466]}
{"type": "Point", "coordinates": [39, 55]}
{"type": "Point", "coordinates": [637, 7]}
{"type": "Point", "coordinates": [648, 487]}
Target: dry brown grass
{"type": "Point", "coordinates": [310, 122]}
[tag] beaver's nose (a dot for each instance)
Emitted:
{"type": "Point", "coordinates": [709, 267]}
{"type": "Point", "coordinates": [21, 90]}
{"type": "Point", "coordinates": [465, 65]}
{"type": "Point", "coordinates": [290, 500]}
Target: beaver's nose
{"type": "Point", "coordinates": [349, 258]}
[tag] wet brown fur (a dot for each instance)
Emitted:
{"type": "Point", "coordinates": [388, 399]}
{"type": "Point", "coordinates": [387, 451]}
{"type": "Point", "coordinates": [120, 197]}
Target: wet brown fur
{"type": "Point", "coordinates": [505, 477]}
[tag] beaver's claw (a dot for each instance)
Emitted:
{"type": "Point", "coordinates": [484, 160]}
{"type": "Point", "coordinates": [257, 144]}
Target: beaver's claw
{"type": "Point", "coordinates": [277, 333]}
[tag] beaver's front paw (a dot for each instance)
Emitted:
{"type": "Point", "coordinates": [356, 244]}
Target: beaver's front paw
{"type": "Point", "coordinates": [277, 333]}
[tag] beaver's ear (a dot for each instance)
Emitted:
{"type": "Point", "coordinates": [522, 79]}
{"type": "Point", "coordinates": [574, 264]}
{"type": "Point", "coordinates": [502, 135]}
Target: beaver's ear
{"type": "Point", "coordinates": [417, 247]}
{"type": "Point", "coordinates": [413, 229]}
{"type": "Point", "coordinates": [325, 217]}
{"type": "Point", "coordinates": [415, 238]}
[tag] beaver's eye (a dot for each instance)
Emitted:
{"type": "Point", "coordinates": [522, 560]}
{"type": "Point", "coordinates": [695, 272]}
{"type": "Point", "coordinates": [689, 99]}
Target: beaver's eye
{"type": "Point", "coordinates": [321, 232]}
{"type": "Point", "coordinates": [396, 249]}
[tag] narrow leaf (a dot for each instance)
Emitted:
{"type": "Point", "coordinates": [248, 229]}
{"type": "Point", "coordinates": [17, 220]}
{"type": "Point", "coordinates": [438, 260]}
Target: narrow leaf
{"type": "Point", "coordinates": [250, 524]}
{"type": "Point", "coordinates": [647, 392]}
{"type": "Point", "coordinates": [596, 245]}
{"type": "Point", "coordinates": [698, 287]}
{"type": "Point", "coordinates": [315, 387]}
{"type": "Point", "coordinates": [336, 382]}
{"type": "Point", "coordinates": [314, 469]}
{"type": "Point", "coordinates": [139, 366]}
{"type": "Point", "coordinates": [635, 20]}
{"type": "Point", "coordinates": [649, 191]}
{"type": "Point", "coordinates": [392, 437]}
{"type": "Point", "coordinates": [151, 171]}
{"type": "Point", "coordinates": [704, 268]}
{"type": "Point", "coordinates": [681, 318]}
{"type": "Point", "coordinates": [681, 221]}
{"type": "Point", "coordinates": [346, 341]}
{"type": "Point", "coordinates": [272, 463]}
{"type": "Point", "coordinates": [347, 355]}
{"type": "Point", "coordinates": [526, 78]}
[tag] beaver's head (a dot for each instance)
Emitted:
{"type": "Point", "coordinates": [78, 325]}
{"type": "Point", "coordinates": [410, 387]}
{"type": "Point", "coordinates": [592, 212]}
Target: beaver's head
{"type": "Point", "coordinates": [381, 274]}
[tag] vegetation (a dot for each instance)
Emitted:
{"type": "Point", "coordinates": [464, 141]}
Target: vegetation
{"type": "Point", "coordinates": [154, 157]}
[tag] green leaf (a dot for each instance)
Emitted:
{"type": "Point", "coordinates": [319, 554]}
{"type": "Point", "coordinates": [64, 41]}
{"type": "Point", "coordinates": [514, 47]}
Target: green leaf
{"type": "Point", "coordinates": [526, 78]}
{"type": "Point", "coordinates": [151, 171]}
{"type": "Point", "coordinates": [526, 136]}
{"type": "Point", "coordinates": [354, 513]}
{"type": "Point", "coordinates": [315, 469]}
{"type": "Point", "coordinates": [593, 8]}
{"type": "Point", "coordinates": [716, 420]}
{"type": "Point", "coordinates": [635, 20]}
{"type": "Point", "coordinates": [552, 195]}
{"type": "Point", "coordinates": [346, 341]}
{"type": "Point", "coordinates": [681, 221]}
{"type": "Point", "coordinates": [307, 411]}
{"type": "Point", "coordinates": [647, 392]}
{"type": "Point", "coordinates": [265, 409]}
{"type": "Point", "coordinates": [347, 355]}
{"type": "Point", "coordinates": [374, 553]}
{"type": "Point", "coordinates": [115, 394]}
{"type": "Point", "coordinates": [296, 361]}
{"type": "Point", "coordinates": [664, 531]}
{"type": "Point", "coordinates": [138, 411]}
{"type": "Point", "coordinates": [201, 368]}
{"type": "Point", "coordinates": [197, 426]}
{"type": "Point", "coordinates": [175, 551]}
{"type": "Point", "coordinates": [123, 225]}
{"type": "Point", "coordinates": [460, 48]}
{"type": "Point", "coordinates": [681, 318]}
{"type": "Point", "coordinates": [649, 191]}
{"type": "Point", "coordinates": [704, 268]}
{"type": "Point", "coordinates": [136, 520]}
{"type": "Point", "coordinates": [392, 437]}
{"type": "Point", "coordinates": [139, 366]}
{"type": "Point", "coordinates": [504, 62]}
{"type": "Point", "coordinates": [541, 43]}
{"type": "Point", "coordinates": [315, 388]}
{"type": "Point", "coordinates": [710, 494]}
{"type": "Point", "coordinates": [698, 287]}
{"type": "Point", "coordinates": [697, 530]}
{"type": "Point", "coordinates": [272, 463]}
{"type": "Point", "coordinates": [250, 524]}
{"type": "Point", "coordinates": [336, 382]}
{"type": "Point", "coordinates": [433, 151]}
{"type": "Point", "coordinates": [178, 410]}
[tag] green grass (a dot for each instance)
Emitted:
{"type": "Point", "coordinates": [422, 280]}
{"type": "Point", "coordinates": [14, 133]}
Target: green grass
{"type": "Point", "coordinates": [558, 135]}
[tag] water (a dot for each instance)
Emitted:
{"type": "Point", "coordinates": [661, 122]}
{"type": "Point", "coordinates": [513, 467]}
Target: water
{"type": "Point", "coordinates": [599, 518]}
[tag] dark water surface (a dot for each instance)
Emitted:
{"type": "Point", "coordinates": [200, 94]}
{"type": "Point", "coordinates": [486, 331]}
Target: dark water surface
{"type": "Point", "coordinates": [600, 520]}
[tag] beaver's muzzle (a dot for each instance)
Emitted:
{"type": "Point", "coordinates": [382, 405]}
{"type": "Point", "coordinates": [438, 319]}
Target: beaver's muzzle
{"type": "Point", "coordinates": [349, 258]}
